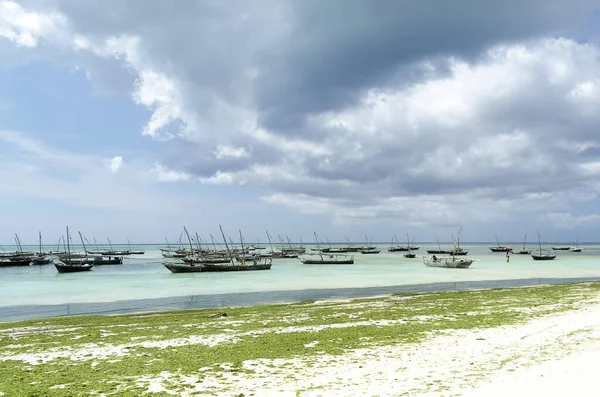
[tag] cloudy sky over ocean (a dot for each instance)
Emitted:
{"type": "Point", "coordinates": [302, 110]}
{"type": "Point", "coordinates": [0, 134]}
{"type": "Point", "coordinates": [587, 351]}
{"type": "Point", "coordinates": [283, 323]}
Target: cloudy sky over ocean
{"type": "Point", "coordinates": [132, 118]}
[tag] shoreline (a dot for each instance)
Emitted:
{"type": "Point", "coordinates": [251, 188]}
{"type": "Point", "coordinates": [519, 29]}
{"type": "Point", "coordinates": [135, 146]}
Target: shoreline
{"type": "Point", "coordinates": [248, 299]}
{"type": "Point", "coordinates": [465, 342]}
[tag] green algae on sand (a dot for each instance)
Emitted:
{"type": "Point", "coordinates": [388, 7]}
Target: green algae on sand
{"type": "Point", "coordinates": [122, 355]}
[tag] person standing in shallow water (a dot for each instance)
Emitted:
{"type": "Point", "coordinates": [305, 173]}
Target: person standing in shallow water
{"type": "Point", "coordinates": [508, 255]}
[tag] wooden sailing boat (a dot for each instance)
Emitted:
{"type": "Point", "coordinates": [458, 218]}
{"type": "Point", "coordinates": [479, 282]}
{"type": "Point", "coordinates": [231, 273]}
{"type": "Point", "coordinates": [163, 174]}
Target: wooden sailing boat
{"type": "Point", "coordinates": [369, 249]}
{"type": "Point", "coordinates": [99, 259]}
{"type": "Point", "coordinates": [69, 266]}
{"type": "Point", "coordinates": [326, 258]}
{"type": "Point", "coordinates": [410, 253]}
{"type": "Point", "coordinates": [499, 248]}
{"type": "Point", "coordinates": [543, 255]}
{"type": "Point", "coordinates": [41, 258]}
{"type": "Point", "coordinates": [524, 251]}
{"type": "Point", "coordinates": [191, 266]}
{"type": "Point", "coordinates": [256, 263]}
{"type": "Point", "coordinates": [136, 252]}
{"type": "Point", "coordinates": [577, 248]}
{"type": "Point", "coordinates": [449, 261]}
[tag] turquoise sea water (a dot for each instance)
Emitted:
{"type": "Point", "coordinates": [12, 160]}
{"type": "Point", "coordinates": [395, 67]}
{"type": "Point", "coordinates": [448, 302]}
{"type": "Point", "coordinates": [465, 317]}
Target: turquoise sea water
{"type": "Point", "coordinates": [142, 283]}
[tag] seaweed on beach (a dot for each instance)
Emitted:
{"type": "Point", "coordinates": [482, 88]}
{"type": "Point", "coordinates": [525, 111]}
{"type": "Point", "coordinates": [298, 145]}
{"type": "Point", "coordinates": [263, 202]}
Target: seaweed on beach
{"type": "Point", "coordinates": [203, 351]}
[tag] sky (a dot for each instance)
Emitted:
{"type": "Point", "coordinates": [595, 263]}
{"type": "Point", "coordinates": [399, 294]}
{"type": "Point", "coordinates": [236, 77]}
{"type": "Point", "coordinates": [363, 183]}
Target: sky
{"type": "Point", "coordinates": [131, 119]}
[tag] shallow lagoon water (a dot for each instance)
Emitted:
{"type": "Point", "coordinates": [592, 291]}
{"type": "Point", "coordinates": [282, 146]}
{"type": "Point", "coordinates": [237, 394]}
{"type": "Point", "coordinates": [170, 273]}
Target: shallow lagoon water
{"type": "Point", "coordinates": [143, 284]}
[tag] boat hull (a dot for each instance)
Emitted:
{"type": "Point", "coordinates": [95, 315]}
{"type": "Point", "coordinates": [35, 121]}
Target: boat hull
{"type": "Point", "coordinates": [16, 262]}
{"type": "Point", "coordinates": [213, 267]}
{"type": "Point", "coordinates": [64, 268]}
{"type": "Point", "coordinates": [500, 249]}
{"type": "Point", "coordinates": [447, 262]}
{"type": "Point", "coordinates": [444, 252]}
{"type": "Point", "coordinates": [543, 257]}
{"type": "Point", "coordinates": [183, 268]}
{"type": "Point", "coordinates": [327, 261]}
{"type": "Point", "coordinates": [107, 261]}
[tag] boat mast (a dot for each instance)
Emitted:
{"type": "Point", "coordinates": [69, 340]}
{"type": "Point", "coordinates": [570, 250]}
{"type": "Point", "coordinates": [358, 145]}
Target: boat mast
{"type": "Point", "coordinates": [408, 244]}
{"type": "Point", "coordinates": [213, 241]}
{"type": "Point", "coordinates": [318, 246]}
{"type": "Point", "coordinates": [226, 246]}
{"type": "Point", "coordinates": [243, 249]}
{"type": "Point", "coordinates": [18, 242]}
{"type": "Point", "coordinates": [540, 241]}
{"type": "Point", "coordinates": [524, 239]}
{"type": "Point", "coordinates": [68, 247]}
{"type": "Point", "coordinates": [191, 249]}
{"type": "Point", "coordinates": [40, 233]}
{"type": "Point", "coordinates": [81, 238]}
{"type": "Point", "coordinates": [270, 242]}
{"type": "Point", "coordinates": [199, 241]}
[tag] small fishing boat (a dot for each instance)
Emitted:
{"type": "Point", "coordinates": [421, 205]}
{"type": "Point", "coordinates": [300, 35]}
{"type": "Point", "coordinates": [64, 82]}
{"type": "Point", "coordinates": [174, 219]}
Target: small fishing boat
{"type": "Point", "coordinates": [524, 251]}
{"type": "Point", "coordinates": [396, 247]}
{"type": "Point", "coordinates": [452, 261]}
{"type": "Point", "coordinates": [410, 254]}
{"type": "Point", "coordinates": [70, 266]}
{"type": "Point", "coordinates": [369, 248]}
{"type": "Point", "coordinates": [541, 254]}
{"type": "Point", "coordinates": [134, 252]}
{"type": "Point", "coordinates": [201, 259]}
{"type": "Point", "coordinates": [40, 258]}
{"type": "Point", "coordinates": [322, 258]}
{"type": "Point", "coordinates": [257, 264]}
{"type": "Point", "coordinates": [105, 260]}
{"type": "Point", "coordinates": [576, 248]}
{"type": "Point", "coordinates": [327, 259]}
{"type": "Point", "coordinates": [183, 267]}
{"type": "Point", "coordinates": [62, 267]}
{"type": "Point", "coordinates": [500, 248]}
{"type": "Point", "coordinates": [447, 261]}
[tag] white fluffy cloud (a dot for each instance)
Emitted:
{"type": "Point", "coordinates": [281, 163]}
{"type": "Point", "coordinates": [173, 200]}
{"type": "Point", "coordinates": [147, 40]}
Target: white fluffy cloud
{"type": "Point", "coordinates": [26, 28]}
{"type": "Point", "coordinates": [492, 126]}
{"type": "Point", "coordinates": [115, 164]}
{"type": "Point", "coordinates": [163, 174]}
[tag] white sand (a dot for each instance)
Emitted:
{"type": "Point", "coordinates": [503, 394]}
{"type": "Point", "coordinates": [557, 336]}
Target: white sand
{"type": "Point", "coordinates": [553, 356]}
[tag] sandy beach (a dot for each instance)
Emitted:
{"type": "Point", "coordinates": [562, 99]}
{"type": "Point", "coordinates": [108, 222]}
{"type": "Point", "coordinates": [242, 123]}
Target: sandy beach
{"type": "Point", "coordinates": [517, 342]}
{"type": "Point", "coordinates": [552, 356]}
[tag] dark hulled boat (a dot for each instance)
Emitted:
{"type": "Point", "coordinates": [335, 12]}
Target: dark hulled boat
{"type": "Point", "coordinates": [183, 267]}
{"type": "Point", "coordinates": [221, 267]}
{"type": "Point", "coordinates": [524, 251]}
{"type": "Point", "coordinates": [62, 267]}
{"type": "Point", "coordinates": [500, 248]}
{"type": "Point", "coordinates": [70, 264]}
{"type": "Point", "coordinates": [541, 254]}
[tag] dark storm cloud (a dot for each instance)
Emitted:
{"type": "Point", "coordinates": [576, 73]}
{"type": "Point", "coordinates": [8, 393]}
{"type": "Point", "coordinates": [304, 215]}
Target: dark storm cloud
{"type": "Point", "coordinates": [479, 97]}
{"type": "Point", "coordinates": [339, 48]}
